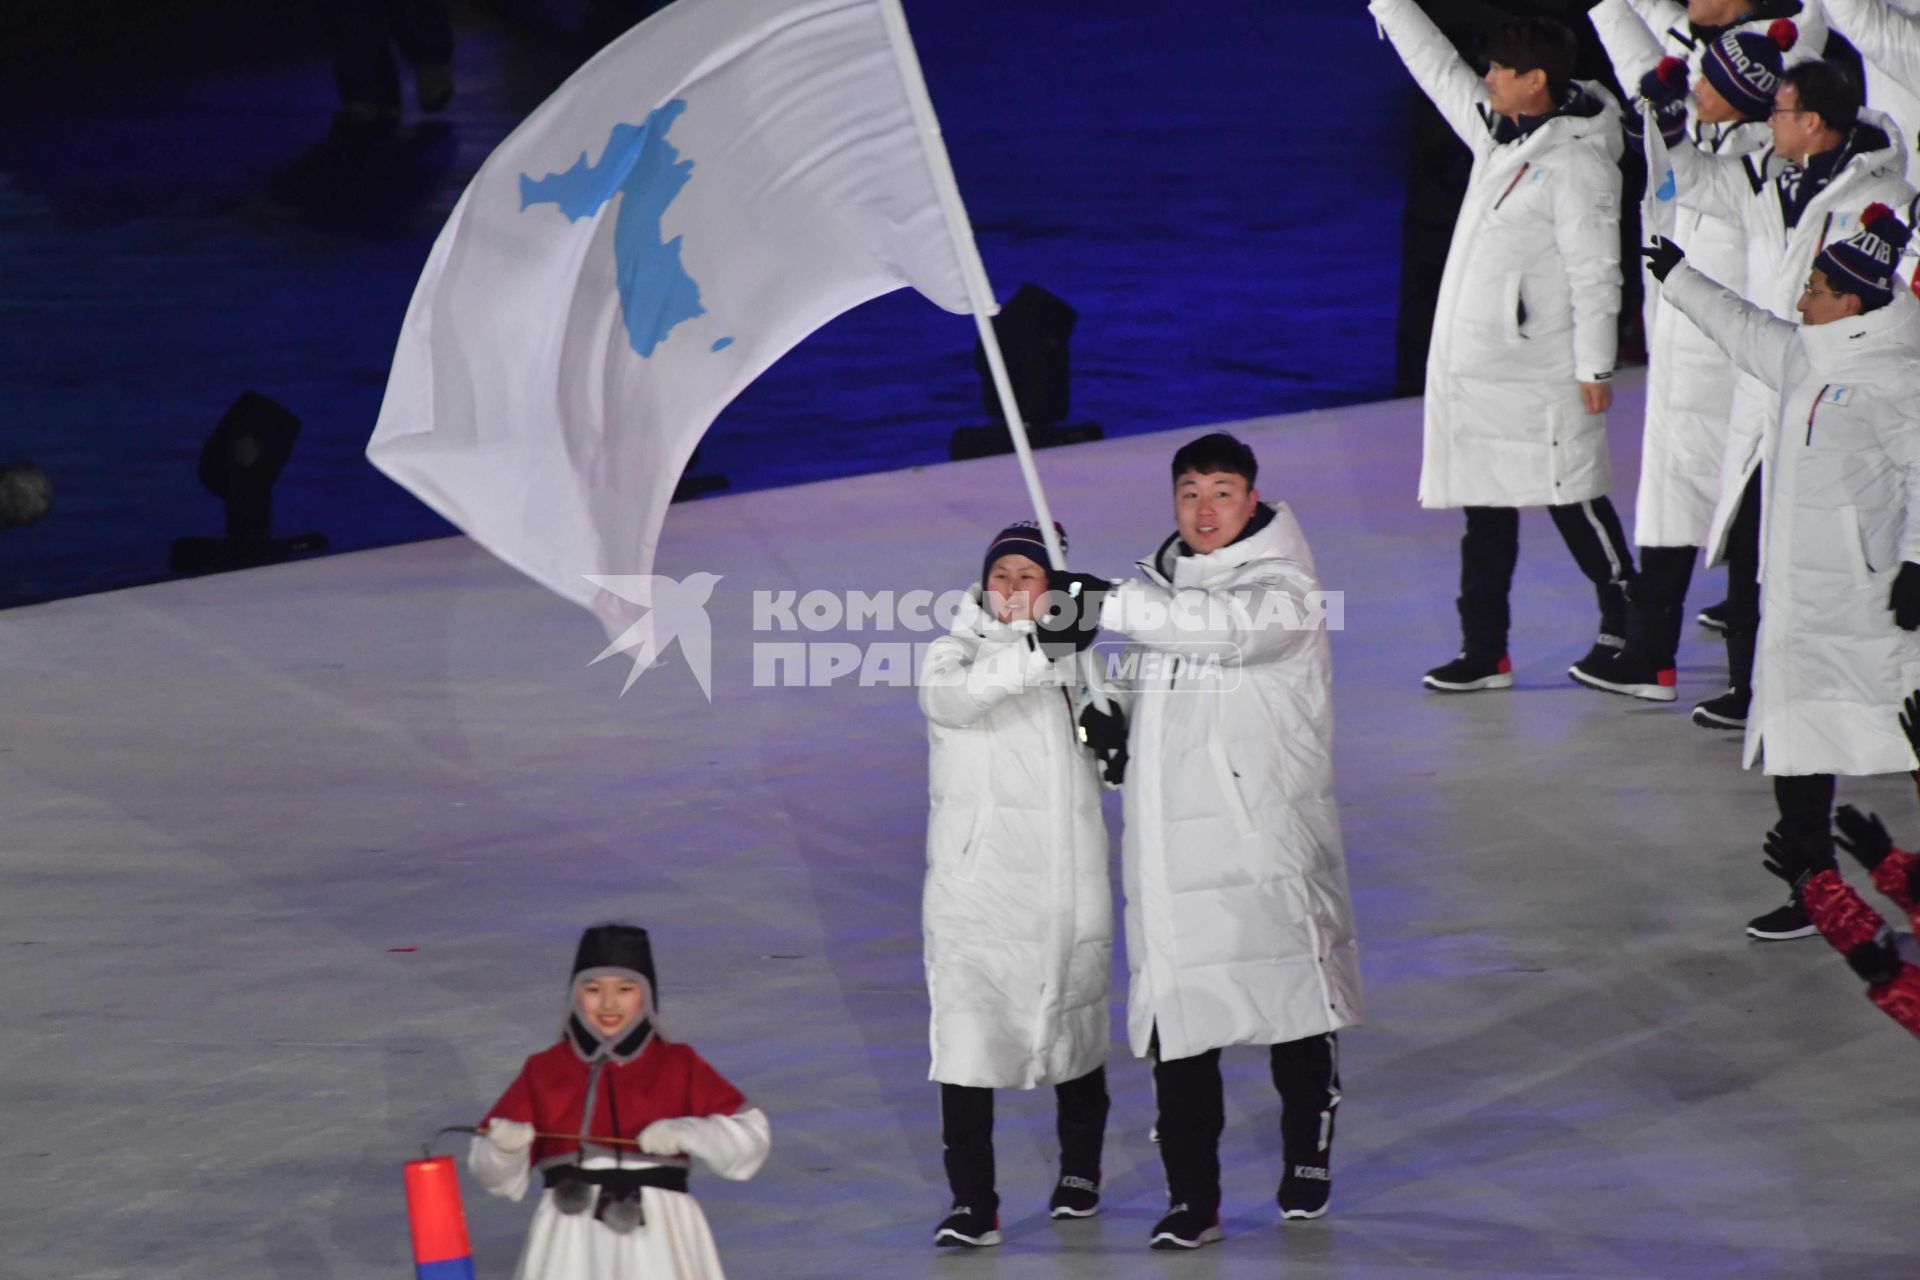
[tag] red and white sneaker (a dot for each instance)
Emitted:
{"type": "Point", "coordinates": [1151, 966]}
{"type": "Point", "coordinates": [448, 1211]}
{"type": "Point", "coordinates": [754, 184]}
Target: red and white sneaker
{"type": "Point", "coordinates": [1619, 671]}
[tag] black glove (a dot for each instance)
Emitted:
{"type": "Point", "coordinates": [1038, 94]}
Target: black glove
{"type": "Point", "coordinates": [1905, 602]}
{"type": "Point", "coordinates": [1863, 836]}
{"type": "Point", "coordinates": [1910, 722]}
{"type": "Point", "coordinates": [1105, 734]}
{"type": "Point", "coordinates": [1662, 256]}
{"type": "Point", "coordinates": [1876, 961]}
{"type": "Point", "coordinates": [1665, 90]}
{"type": "Point", "coordinates": [1073, 612]}
{"type": "Point", "coordinates": [1797, 858]}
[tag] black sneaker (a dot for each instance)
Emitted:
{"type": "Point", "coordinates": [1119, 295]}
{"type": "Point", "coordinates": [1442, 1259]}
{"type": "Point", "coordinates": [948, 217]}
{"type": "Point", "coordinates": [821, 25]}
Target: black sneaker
{"type": "Point", "coordinates": [1182, 1228]}
{"type": "Point", "coordinates": [1618, 671]}
{"type": "Point", "coordinates": [965, 1229]}
{"type": "Point", "coordinates": [1713, 617]}
{"type": "Point", "coordinates": [1074, 1197]}
{"type": "Point", "coordinates": [1469, 675]}
{"type": "Point", "coordinates": [1782, 924]}
{"type": "Point", "coordinates": [1304, 1190]}
{"type": "Point", "coordinates": [1728, 711]}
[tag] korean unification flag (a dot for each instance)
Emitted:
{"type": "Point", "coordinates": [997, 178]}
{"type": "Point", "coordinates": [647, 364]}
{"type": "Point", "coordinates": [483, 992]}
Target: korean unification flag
{"type": "Point", "coordinates": [711, 188]}
{"type": "Point", "coordinates": [1662, 202]}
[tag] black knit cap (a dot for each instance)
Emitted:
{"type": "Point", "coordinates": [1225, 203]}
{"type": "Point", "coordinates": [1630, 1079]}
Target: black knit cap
{"type": "Point", "coordinates": [1745, 66]}
{"type": "Point", "coordinates": [617, 946]}
{"type": "Point", "coordinates": [1864, 262]}
{"type": "Point", "coordinates": [1022, 538]}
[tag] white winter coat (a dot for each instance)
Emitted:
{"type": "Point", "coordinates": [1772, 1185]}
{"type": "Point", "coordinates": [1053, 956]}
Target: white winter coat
{"type": "Point", "coordinates": [1888, 38]}
{"type": "Point", "coordinates": [1239, 928]}
{"type": "Point", "coordinates": [1530, 296]}
{"type": "Point", "coordinates": [1018, 908]}
{"type": "Point", "coordinates": [1780, 259]}
{"type": "Point", "coordinates": [1841, 512]}
{"type": "Point", "coordinates": [1689, 380]}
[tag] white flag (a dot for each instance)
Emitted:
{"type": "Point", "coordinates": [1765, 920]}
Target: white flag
{"type": "Point", "coordinates": [715, 185]}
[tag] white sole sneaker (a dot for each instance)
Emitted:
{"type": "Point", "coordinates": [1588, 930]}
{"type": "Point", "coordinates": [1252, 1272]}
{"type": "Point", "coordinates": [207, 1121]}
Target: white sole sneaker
{"type": "Point", "coordinates": [1708, 720]}
{"type": "Point", "coordinates": [1302, 1215]}
{"type": "Point", "coordinates": [1646, 692]}
{"type": "Point", "coordinates": [1064, 1212]}
{"type": "Point", "coordinates": [1781, 935]}
{"type": "Point", "coordinates": [1168, 1240]}
{"type": "Point", "coordinates": [948, 1238]}
{"type": "Point", "coordinates": [1501, 680]}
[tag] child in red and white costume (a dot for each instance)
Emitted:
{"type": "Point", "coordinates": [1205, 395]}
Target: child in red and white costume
{"type": "Point", "coordinates": [616, 1205]}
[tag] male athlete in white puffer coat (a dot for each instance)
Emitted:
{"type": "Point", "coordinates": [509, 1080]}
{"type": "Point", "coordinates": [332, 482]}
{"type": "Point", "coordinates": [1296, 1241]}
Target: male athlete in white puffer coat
{"type": "Point", "coordinates": [1239, 928]}
{"type": "Point", "coordinates": [1840, 523]}
{"type": "Point", "coordinates": [1829, 160]}
{"type": "Point", "coordinates": [1690, 381]}
{"type": "Point", "coordinates": [1519, 370]}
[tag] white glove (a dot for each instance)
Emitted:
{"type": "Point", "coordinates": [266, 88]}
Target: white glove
{"type": "Point", "coordinates": [511, 1136]}
{"type": "Point", "coordinates": [663, 1138]}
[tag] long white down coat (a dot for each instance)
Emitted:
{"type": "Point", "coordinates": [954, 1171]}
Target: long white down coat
{"type": "Point", "coordinates": [1530, 295]}
{"type": "Point", "coordinates": [1690, 381]}
{"type": "Point", "coordinates": [1841, 512]}
{"type": "Point", "coordinates": [1239, 928]}
{"type": "Point", "coordinates": [1018, 908]}
{"type": "Point", "coordinates": [1779, 261]}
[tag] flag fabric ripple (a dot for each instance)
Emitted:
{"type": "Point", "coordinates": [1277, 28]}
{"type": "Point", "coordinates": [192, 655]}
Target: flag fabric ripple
{"type": "Point", "coordinates": [707, 191]}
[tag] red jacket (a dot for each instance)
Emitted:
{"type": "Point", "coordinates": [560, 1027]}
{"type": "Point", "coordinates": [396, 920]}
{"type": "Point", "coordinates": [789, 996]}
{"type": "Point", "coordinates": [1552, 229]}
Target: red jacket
{"type": "Point", "coordinates": [663, 1081]}
{"type": "Point", "coordinates": [1846, 921]}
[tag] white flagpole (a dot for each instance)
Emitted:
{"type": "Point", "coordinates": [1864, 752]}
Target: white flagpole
{"type": "Point", "coordinates": [972, 269]}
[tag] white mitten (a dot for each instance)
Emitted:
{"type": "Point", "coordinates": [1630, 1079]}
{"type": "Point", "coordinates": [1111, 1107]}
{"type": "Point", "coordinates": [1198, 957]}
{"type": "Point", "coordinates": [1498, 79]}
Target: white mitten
{"type": "Point", "coordinates": [663, 1138]}
{"type": "Point", "coordinates": [511, 1136]}
{"type": "Point", "coordinates": [732, 1146]}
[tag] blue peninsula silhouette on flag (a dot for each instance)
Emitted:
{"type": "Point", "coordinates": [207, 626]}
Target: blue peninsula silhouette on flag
{"type": "Point", "coordinates": [642, 167]}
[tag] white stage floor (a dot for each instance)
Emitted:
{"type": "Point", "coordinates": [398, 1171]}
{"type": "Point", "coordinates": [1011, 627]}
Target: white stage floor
{"type": "Point", "coordinates": [294, 861]}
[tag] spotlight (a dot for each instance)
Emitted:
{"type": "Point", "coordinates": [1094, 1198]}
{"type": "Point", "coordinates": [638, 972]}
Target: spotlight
{"type": "Point", "coordinates": [238, 465]}
{"type": "Point", "coordinates": [26, 494]}
{"type": "Point", "coordinates": [1033, 329]}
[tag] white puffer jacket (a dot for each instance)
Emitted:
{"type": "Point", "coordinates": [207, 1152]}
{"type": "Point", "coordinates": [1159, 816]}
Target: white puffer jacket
{"type": "Point", "coordinates": [1689, 380]}
{"type": "Point", "coordinates": [1239, 928]}
{"type": "Point", "coordinates": [1018, 908]}
{"type": "Point", "coordinates": [1841, 512]}
{"type": "Point", "coordinates": [1888, 38]}
{"type": "Point", "coordinates": [1530, 296]}
{"type": "Point", "coordinates": [1779, 260]}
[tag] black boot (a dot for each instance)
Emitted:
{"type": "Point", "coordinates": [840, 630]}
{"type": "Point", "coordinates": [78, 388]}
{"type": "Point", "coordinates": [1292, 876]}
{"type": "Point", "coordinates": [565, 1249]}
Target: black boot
{"type": "Point", "coordinates": [1729, 710]}
{"type": "Point", "coordinates": [1081, 1124]}
{"type": "Point", "coordinates": [966, 1131]}
{"type": "Point", "coordinates": [1306, 1075]}
{"type": "Point", "coordinates": [1643, 667]}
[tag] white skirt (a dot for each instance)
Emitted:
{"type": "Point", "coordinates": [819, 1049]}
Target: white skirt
{"type": "Point", "coordinates": [675, 1242]}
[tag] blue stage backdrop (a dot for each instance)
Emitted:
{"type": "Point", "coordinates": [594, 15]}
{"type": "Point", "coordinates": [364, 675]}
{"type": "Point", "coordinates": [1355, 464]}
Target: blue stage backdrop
{"type": "Point", "coordinates": [1216, 188]}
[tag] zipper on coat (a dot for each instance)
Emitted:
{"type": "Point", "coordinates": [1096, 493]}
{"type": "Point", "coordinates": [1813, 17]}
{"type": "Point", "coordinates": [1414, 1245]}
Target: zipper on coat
{"type": "Point", "coordinates": [1524, 166]}
{"type": "Point", "coordinates": [1815, 408]}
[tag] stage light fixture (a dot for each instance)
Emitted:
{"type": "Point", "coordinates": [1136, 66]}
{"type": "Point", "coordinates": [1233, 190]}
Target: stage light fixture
{"type": "Point", "coordinates": [1034, 329]}
{"type": "Point", "coordinates": [26, 495]}
{"type": "Point", "coordinates": [239, 464]}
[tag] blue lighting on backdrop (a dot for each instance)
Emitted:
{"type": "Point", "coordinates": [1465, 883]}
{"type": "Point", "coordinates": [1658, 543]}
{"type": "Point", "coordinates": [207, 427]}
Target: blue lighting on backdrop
{"type": "Point", "coordinates": [1216, 188]}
